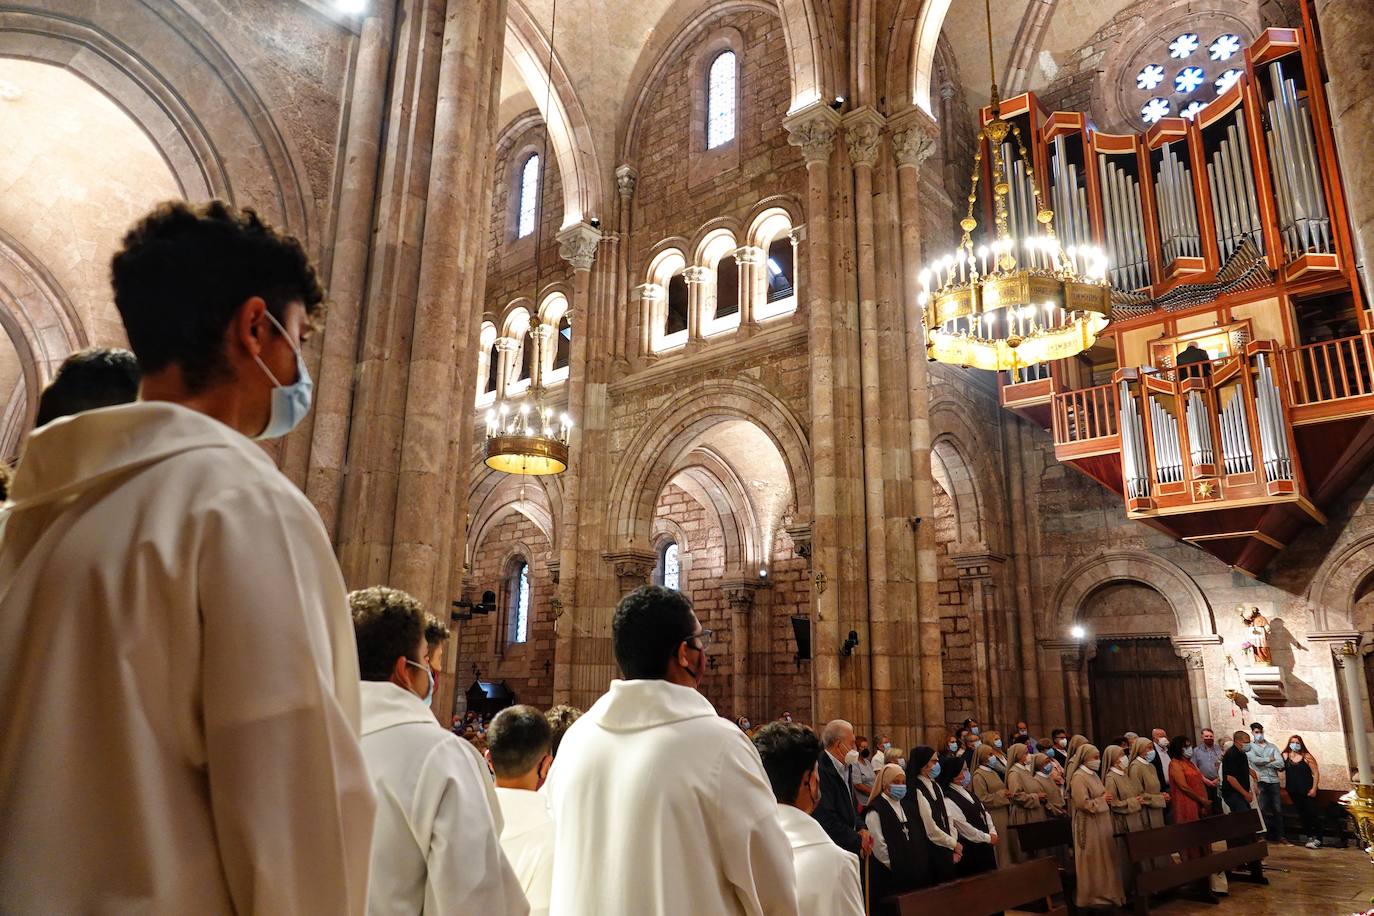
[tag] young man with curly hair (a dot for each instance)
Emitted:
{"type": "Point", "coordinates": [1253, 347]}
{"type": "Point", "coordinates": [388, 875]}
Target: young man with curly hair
{"type": "Point", "coordinates": [181, 686]}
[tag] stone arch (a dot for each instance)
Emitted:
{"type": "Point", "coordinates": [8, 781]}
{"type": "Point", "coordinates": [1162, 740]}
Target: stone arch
{"type": "Point", "coordinates": [807, 32]}
{"type": "Point", "coordinates": [570, 133]}
{"type": "Point", "coordinates": [494, 496]}
{"type": "Point", "coordinates": [951, 470]}
{"type": "Point", "coordinates": [653, 456]}
{"type": "Point", "coordinates": [717, 487]}
{"type": "Point", "coordinates": [1334, 590]}
{"type": "Point", "coordinates": [44, 328]}
{"type": "Point", "coordinates": [1190, 607]}
{"type": "Point", "coordinates": [961, 452]}
{"type": "Point", "coordinates": [169, 74]}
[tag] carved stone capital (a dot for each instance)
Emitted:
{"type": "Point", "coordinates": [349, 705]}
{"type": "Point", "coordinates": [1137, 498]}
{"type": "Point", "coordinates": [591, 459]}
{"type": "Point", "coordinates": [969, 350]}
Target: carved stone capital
{"type": "Point", "coordinates": [649, 292]}
{"type": "Point", "coordinates": [863, 131]}
{"type": "Point", "coordinates": [740, 592]}
{"type": "Point", "coordinates": [625, 178]}
{"type": "Point", "coordinates": [797, 235]}
{"type": "Point", "coordinates": [913, 138]}
{"type": "Point", "coordinates": [632, 567]}
{"type": "Point", "coordinates": [507, 345]}
{"type": "Point", "coordinates": [812, 130]}
{"type": "Point", "coordinates": [696, 274]}
{"type": "Point", "coordinates": [977, 563]}
{"type": "Point", "coordinates": [577, 245]}
{"type": "Point", "coordinates": [749, 254]}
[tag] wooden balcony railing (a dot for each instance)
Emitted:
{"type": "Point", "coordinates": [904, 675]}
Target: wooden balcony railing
{"type": "Point", "coordinates": [1329, 371]}
{"type": "Point", "coordinates": [1085, 413]}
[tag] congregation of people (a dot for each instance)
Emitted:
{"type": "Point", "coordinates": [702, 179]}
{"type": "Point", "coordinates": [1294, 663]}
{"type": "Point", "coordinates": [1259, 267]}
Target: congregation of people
{"type": "Point", "coordinates": [248, 736]}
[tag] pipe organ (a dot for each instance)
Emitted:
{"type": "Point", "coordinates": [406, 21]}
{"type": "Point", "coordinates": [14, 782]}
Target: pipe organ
{"type": "Point", "coordinates": [1233, 393]}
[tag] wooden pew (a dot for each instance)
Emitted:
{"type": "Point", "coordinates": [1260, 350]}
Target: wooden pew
{"type": "Point", "coordinates": [1052, 838]}
{"type": "Point", "coordinates": [1159, 844]}
{"type": "Point", "coordinates": [986, 894]}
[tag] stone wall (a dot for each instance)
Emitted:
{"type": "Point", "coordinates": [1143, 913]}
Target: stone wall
{"type": "Point", "coordinates": [482, 641]}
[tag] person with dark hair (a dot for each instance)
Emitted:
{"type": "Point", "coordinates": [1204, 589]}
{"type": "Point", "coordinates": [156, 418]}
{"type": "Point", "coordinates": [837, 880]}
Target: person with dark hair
{"type": "Point", "coordinates": [88, 380]}
{"type": "Point", "coordinates": [1267, 762]}
{"type": "Point", "coordinates": [561, 718]}
{"type": "Point", "coordinates": [972, 823]}
{"type": "Point", "coordinates": [926, 803]}
{"type": "Point", "coordinates": [179, 577]}
{"type": "Point", "coordinates": [435, 846]}
{"type": "Point", "coordinates": [1058, 749]}
{"type": "Point", "coordinates": [660, 806]}
{"type": "Point", "coordinates": [1301, 775]}
{"type": "Point", "coordinates": [827, 876]}
{"type": "Point", "coordinates": [519, 746]}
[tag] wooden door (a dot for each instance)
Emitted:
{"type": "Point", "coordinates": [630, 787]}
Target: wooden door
{"type": "Point", "coordinates": [1138, 685]}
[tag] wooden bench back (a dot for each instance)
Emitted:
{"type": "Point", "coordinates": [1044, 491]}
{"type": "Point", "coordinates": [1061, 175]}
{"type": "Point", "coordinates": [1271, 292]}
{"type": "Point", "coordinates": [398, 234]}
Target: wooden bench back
{"type": "Point", "coordinates": [985, 894]}
{"type": "Point", "coordinates": [1047, 834]}
{"type": "Point", "coordinates": [1159, 843]}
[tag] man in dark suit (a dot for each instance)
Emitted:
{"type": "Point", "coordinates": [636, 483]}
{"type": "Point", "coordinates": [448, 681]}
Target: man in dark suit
{"type": "Point", "coordinates": [836, 812]}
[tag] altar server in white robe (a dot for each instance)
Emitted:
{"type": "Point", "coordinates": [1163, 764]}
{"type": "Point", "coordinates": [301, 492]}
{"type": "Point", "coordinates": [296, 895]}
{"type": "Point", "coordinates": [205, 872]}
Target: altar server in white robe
{"type": "Point", "coordinates": [179, 725]}
{"type": "Point", "coordinates": [436, 848]}
{"type": "Point", "coordinates": [662, 807]}
{"type": "Point", "coordinates": [827, 876]}
{"type": "Point", "coordinates": [520, 748]}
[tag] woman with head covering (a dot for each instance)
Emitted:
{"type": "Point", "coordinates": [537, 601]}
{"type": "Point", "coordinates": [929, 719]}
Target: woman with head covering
{"type": "Point", "coordinates": [991, 792]}
{"type": "Point", "coordinates": [899, 855]}
{"type": "Point", "coordinates": [1094, 851]}
{"type": "Point", "coordinates": [993, 740]}
{"type": "Point", "coordinates": [1027, 801]}
{"type": "Point", "coordinates": [1126, 800]}
{"type": "Point", "coordinates": [1045, 780]}
{"type": "Point", "coordinates": [1075, 743]}
{"type": "Point", "coordinates": [970, 819]}
{"type": "Point", "coordinates": [1145, 779]}
{"type": "Point", "coordinates": [927, 805]}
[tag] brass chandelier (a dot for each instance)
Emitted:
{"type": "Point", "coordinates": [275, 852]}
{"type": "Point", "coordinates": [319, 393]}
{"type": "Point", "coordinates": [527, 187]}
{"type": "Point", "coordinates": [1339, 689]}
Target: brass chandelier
{"type": "Point", "coordinates": [1010, 303]}
{"type": "Point", "coordinates": [523, 436]}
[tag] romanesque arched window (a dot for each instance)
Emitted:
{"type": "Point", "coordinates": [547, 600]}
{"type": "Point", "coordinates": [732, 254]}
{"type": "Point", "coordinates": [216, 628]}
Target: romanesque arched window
{"type": "Point", "coordinates": [529, 196]}
{"type": "Point", "coordinates": [562, 353]}
{"type": "Point", "coordinates": [677, 305]}
{"type": "Point", "coordinates": [720, 100]}
{"type": "Point", "coordinates": [670, 566]}
{"type": "Point", "coordinates": [780, 267]}
{"type": "Point", "coordinates": [493, 369]}
{"type": "Point", "coordinates": [518, 612]}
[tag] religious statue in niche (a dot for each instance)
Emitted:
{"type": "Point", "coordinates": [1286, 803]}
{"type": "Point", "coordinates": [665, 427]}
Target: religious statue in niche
{"type": "Point", "coordinates": [1258, 644]}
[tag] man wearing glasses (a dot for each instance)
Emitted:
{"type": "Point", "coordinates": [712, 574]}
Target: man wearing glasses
{"type": "Point", "coordinates": [661, 806]}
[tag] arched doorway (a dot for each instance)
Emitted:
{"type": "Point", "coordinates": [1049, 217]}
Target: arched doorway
{"type": "Point", "coordinates": [1136, 679]}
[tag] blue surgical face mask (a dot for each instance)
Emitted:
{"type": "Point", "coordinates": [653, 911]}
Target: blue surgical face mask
{"type": "Point", "coordinates": [1149, 756]}
{"type": "Point", "coordinates": [1048, 769]}
{"type": "Point", "coordinates": [1259, 736]}
{"type": "Point", "coordinates": [897, 790]}
{"type": "Point", "coordinates": [997, 763]}
{"type": "Point", "coordinates": [997, 742]}
{"type": "Point", "coordinates": [1294, 746]}
{"type": "Point", "coordinates": [290, 403]}
{"type": "Point", "coordinates": [935, 770]}
{"type": "Point", "coordinates": [966, 778]}
{"type": "Point", "coordinates": [976, 730]}
{"type": "Point", "coordinates": [429, 694]}
{"type": "Point", "coordinates": [953, 747]}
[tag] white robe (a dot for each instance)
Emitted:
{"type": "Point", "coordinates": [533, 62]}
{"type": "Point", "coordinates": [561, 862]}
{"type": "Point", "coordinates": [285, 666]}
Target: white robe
{"type": "Point", "coordinates": [527, 840]}
{"type": "Point", "coordinates": [662, 808]}
{"type": "Point", "coordinates": [178, 731]}
{"type": "Point", "coordinates": [827, 876]}
{"type": "Point", "coordinates": [436, 848]}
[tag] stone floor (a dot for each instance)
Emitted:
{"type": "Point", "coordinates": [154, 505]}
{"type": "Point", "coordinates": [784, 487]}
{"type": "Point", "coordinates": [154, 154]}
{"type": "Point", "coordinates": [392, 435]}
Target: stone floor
{"type": "Point", "coordinates": [1302, 882]}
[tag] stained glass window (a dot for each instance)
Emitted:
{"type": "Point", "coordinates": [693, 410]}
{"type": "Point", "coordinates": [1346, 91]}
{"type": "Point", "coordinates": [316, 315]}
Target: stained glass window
{"type": "Point", "coordinates": [1183, 45]}
{"type": "Point", "coordinates": [529, 195]}
{"type": "Point", "coordinates": [1189, 78]}
{"type": "Point", "coordinates": [1150, 76]}
{"type": "Point", "coordinates": [1227, 80]}
{"type": "Point", "coordinates": [1153, 110]}
{"type": "Point", "coordinates": [720, 100]}
{"type": "Point", "coordinates": [1191, 109]}
{"type": "Point", "coordinates": [1224, 47]}
{"type": "Point", "coordinates": [672, 568]}
{"type": "Point", "coordinates": [520, 603]}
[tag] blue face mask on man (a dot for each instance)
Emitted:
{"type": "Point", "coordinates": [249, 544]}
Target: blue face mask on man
{"type": "Point", "coordinates": [429, 694]}
{"type": "Point", "coordinates": [897, 790]}
{"type": "Point", "coordinates": [290, 403]}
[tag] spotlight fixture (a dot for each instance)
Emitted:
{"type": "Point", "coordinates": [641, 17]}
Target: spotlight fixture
{"type": "Point", "coordinates": [850, 644]}
{"type": "Point", "coordinates": [595, 222]}
{"type": "Point", "coordinates": [1078, 632]}
{"type": "Point", "coordinates": [763, 574]}
{"type": "Point", "coordinates": [837, 103]}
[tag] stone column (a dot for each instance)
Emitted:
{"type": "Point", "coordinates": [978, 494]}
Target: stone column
{"type": "Point", "coordinates": [813, 130]}
{"type": "Point", "coordinates": [1351, 664]}
{"type": "Point", "coordinates": [625, 180]}
{"type": "Point", "coordinates": [977, 571]}
{"type": "Point", "coordinates": [348, 272]}
{"type": "Point", "coordinates": [1192, 649]}
{"type": "Point", "coordinates": [753, 285]}
{"type": "Point", "coordinates": [912, 143]}
{"type": "Point", "coordinates": [506, 348]}
{"type": "Point", "coordinates": [1347, 34]}
{"type": "Point", "coordinates": [744, 694]}
{"type": "Point", "coordinates": [651, 297]}
{"type": "Point", "coordinates": [583, 648]}
{"type": "Point", "coordinates": [698, 300]}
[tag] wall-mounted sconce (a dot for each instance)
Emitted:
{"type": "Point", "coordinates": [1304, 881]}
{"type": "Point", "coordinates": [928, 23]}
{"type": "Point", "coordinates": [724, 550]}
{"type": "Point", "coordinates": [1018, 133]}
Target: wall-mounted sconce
{"type": "Point", "coordinates": [851, 643]}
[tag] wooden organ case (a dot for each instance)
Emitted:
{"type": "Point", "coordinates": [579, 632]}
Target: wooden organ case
{"type": "Point", "coordinates": [1232, 396]}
